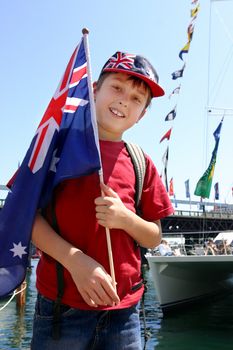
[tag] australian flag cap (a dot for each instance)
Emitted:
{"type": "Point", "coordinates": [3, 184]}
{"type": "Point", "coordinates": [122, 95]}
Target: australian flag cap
{"type": "Point", "coordinates": [134, 65]}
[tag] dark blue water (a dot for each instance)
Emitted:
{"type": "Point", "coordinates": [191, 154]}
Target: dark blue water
{"type": "Point", "coordinates": [15, 324]}
{"type": "Point", "coordinates": [207, 326]}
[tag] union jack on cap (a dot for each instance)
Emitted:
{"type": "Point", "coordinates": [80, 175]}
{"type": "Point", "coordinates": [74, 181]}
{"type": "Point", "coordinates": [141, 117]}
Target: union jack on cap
{"type": "Point", "coordinates": [135, 65]}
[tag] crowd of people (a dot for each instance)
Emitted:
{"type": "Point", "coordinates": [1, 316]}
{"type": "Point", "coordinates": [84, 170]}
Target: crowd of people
{"type": "Point", "coordinates": [219, 248]}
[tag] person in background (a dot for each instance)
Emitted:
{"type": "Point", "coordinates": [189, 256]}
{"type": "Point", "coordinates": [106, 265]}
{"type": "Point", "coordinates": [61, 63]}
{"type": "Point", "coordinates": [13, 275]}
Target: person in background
{"type": "Point", "coordinates": [165, 249]}
{"type": "Point", "coordinates": [211, 248]}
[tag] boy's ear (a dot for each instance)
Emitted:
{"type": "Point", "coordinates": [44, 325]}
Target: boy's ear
{"type": "Point", "coordinates": [94, 88]}
{"type": "Point", "coordinates": [142, 114]}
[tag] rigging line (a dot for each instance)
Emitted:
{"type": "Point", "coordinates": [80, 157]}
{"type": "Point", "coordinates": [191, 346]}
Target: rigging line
{"type": "Point", "coordinates": [230, 37]}
{"type": "Point", "coordinates": [224, 25]}
{"type": "Point", "coordinates": [12, 297]}
{"type": "Point", "coordinates": [225, 110]}
{"type": "Point", "coordinates": [219, 81]}
{"type": "Point", "coordinates": [220, 114]}
{"type": "Point", "coordinates": [8, 302]}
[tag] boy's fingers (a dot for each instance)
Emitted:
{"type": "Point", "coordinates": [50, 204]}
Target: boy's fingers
{"type": "Point", "coordinates": [88, 300]}
{"type": "Point", "coordinates": [108, 191]}
{"type": "Point", "coordinates": [102, 294]}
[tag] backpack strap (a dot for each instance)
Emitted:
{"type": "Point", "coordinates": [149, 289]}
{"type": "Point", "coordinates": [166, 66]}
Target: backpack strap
{"type": "Point", "coordinates": [56, 329]}
{"type": "Point", "coordinates": [56, 325]}
{"type": "Point", "coordinates": [139, 163]}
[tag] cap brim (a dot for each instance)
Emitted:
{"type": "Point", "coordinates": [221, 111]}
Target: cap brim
{"type": "Point", "coordinates": [156, 89]}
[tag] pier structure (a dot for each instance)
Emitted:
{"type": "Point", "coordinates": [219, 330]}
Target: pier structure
{"type": "Point", "coordinates": [210, 217]}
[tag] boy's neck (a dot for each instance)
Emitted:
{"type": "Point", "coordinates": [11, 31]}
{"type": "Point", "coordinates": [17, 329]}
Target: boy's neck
{"type": "Point", "coordinates": [106, 136]}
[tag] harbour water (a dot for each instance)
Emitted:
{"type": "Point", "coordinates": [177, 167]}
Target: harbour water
{"type": "Point", "coordinates": [207, 326]}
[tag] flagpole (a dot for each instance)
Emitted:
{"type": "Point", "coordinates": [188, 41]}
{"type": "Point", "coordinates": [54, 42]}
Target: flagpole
{"type": "Point", "coordinates": [85, 33]}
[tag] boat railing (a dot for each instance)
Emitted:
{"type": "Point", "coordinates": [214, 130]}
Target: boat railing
{"type": "Point", "coordinates": [195, 249]}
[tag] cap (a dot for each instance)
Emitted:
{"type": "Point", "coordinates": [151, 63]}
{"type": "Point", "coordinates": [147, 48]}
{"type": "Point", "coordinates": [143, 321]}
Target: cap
{"type": "Point", "coordinates": [137, 66]}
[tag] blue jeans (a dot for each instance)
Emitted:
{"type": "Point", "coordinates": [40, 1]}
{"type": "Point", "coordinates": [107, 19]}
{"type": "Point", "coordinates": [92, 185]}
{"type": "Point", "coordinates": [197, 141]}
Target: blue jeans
{"type": "Point", "coordinates": [86, 330]}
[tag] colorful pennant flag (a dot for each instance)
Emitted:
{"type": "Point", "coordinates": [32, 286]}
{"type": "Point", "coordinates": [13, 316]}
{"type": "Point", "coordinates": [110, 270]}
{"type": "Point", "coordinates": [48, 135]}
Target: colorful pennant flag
{"type": "Point", "coordinates": [171, 188]}
{"type": "Point", "coordinates": [203, 186]}
{"type": "Point", "coordinates": [184, 50]}
{"type": "Point", "coordinates": [187, 191]}
{"type": "Point", "coordinates": [195, 11]}
{"type": "Point", "coordinates": [164, 173]}
{"type": "Point", "coordinates": [175, 91]}
{"type": "Point", "coordinates": [65, 146]}
{"type": "Point", "coordinates": [190, 31]}
{"type": "Point", "coordinates": [166, 136]}
{"type": "Point", "coordinates": [171, 115]}
{"type": "Point", "coordinates": [178, 74]}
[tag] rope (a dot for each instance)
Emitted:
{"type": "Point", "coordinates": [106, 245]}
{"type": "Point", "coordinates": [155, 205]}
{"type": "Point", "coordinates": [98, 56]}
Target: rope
{"type": "Point", "coordinates": [12, 297]}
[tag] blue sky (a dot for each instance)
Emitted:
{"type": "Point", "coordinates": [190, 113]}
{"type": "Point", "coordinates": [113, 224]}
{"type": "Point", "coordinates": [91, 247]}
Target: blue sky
{"type": "Point", "coordinates": [37, 39]}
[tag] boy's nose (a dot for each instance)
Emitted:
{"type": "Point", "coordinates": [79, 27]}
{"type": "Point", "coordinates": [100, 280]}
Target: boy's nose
{"type": "Point", "coordinates": [123, 103]}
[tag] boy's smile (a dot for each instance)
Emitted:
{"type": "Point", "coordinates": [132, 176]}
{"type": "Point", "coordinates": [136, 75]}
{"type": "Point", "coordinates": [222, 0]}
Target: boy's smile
{"type": "Point", "coordinates": [120, 103]}
{"type": "Point", "coordinates": [117, 113]}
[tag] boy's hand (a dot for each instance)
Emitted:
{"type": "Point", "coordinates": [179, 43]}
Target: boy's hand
{"type": "Point", "coordinates": [110, 211]}
{"type": "Point", "coordinates": [92, 281]}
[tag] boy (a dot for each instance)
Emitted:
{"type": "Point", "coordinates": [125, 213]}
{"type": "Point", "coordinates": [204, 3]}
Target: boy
{"type": "Point", "coordinates": [95, 314]}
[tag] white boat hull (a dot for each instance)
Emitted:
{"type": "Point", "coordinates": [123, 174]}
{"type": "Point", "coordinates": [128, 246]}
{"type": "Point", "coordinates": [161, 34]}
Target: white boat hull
{"type": "Point", "coordinates": [182, 279]}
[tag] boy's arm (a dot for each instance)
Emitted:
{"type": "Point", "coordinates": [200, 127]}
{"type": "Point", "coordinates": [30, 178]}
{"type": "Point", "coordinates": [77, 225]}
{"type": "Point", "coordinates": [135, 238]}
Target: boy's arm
{"type": "Point", "coordinates": [91, 279]}
{"type": "Point", "coordinates": [146, 233]}
{"type": "Point", "coordinates": [112, 213]}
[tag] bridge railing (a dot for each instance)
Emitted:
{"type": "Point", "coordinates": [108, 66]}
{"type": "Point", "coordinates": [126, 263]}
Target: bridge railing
{"type": "Point", "coordinates": [206, 214]}
{"type": "Point", "coordinates": [225, 214]}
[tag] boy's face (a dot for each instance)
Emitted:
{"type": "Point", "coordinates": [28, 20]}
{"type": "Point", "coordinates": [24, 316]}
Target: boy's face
{"type": "Point", "coordinates": [119, 105]}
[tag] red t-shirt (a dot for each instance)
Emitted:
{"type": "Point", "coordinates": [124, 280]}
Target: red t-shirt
{"type": "Point", "coordinates": [75, 211]}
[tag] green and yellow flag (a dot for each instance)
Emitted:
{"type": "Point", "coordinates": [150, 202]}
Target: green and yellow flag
{"type": "Point", "coordinates": [203, 186]}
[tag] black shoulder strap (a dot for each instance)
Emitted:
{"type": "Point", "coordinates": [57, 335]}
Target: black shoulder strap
{"type": "Point", "coordinates": [139, 163]}
{"type": "Point", "coordinates": [56, 329]}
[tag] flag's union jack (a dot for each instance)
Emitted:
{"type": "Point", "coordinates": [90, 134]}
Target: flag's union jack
{"type": "Point", "coordinates": [52, 118]}
{"type": "Point", "coordinates": [121, 60]}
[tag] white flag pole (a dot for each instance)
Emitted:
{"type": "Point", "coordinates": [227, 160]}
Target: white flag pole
{"type": "Point", "coordinates": [85, 32]}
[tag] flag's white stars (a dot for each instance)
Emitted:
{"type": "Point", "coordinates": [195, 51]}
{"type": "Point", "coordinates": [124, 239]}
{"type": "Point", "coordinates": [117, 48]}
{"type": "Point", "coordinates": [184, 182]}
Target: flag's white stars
{"type": "Point", "coordinates": [54, 162]}
{"type": "Point", "coordinates": [18, 250]}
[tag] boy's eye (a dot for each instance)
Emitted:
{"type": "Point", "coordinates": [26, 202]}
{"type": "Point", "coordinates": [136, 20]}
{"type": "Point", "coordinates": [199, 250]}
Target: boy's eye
{"type": "Point", "coordinates": [137, 99]}
{"type": "Point", "coordinates": [116, 87]}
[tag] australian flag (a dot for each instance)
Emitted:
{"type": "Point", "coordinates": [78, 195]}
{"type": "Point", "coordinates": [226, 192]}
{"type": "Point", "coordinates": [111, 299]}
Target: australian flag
{"type": "Point", "coordinates": [65, 146]}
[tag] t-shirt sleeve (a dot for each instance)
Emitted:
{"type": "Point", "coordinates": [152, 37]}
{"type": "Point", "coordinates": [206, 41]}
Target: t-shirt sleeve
{"type": "Point", "coordinates": [155, 203]}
